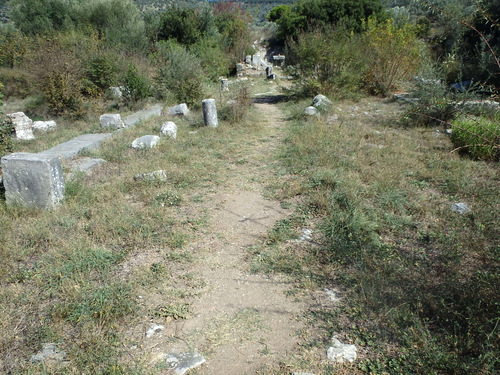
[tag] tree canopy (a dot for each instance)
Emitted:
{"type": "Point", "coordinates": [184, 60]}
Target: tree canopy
{"type": "Point", "coordinates": [307, 14]}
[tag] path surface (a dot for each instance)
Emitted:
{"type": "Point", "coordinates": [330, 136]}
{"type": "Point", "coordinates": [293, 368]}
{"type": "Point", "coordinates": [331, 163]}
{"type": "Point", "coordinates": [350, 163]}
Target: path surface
{"type": "Point", "coordinates": [239, 321]}
{"type": "Point", "coordinates": [244, 320]}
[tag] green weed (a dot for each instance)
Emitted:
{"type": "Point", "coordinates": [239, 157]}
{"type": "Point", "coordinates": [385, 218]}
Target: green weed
{"type": "Point", "coordinates": [479, 138]}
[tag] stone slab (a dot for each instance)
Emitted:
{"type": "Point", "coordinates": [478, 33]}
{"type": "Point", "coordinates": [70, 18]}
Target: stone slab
{"type": "Point", "coordinates": [181, 363]}
{"type": "Point", "coordinates": [72, 148]}
{"type": "Point", "coordinates": [145, 114]}
{"type": "Point", "coordinates": [33, 180]}
{"type": "Point", "coordinates": [83, 164]}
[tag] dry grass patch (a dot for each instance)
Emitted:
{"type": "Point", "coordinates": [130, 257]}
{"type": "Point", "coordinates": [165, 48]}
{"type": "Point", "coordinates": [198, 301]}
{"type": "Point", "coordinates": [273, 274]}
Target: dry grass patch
{"type": "Point", "coordinates": [421, 280]}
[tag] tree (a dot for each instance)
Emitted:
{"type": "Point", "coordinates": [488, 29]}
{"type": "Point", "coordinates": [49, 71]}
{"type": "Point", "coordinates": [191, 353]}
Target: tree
{"type": "Point", "coordinates": [116, 21]}
{"type": "Point", "coordinates": [41, 16]}
{"type": "Point", "coordinates": [310, 14]}
{"type": "Point", "coordinates": [180, 24]}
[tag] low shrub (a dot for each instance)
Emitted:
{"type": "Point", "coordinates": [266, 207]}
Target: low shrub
{"type": "Point", "coordinates": [17, 82]}
{"type": "Point", "coordinates": [235, 110]}
{"type": "Point", "coordinates": [477, 137]}
{"type": "Point", "coordinates": [327, 62]}
{"type": "Point", "coordinates": [432, 104]}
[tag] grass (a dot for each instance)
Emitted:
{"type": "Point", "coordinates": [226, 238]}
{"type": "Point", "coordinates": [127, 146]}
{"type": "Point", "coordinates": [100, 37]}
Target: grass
{"type": "Point", "coordinates": [73, 276]}
{"type": "Point", "coordinates": [479, 138]}
{"type": "Point", "coordinates": [421, 282]}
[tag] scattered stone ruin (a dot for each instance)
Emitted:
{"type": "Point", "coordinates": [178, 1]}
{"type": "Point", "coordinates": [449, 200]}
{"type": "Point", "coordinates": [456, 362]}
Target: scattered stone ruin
{"type": "Point", "coordinates": [210, 113]}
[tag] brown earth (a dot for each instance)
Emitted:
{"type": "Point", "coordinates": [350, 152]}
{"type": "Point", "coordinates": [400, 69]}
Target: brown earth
{"type": "Point", "coordinates": [239, 321]}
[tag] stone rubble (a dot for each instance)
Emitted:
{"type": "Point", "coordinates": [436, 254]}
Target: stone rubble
{"type": "Point", "coordinates": [49, 351]}
{"type": "Point", "coordinates": [154, 329]}
{"type": "Point", "coordinates": [321, 101]}
{"type": "Point", "coordinates": [181, 363]}
{"type": "Point", "coordinates": [178, 110]}
{"type": "Point", "coordinates": [461, 208]}
{"type": "Point", "coordinates": [169, 129]}
{"type": "Point", "coordinates": [339, 352]}
{"type": "Point", "coordinates": [145, 142]}
{"type": "Point", "coordinates": [111, 121]}
{"type": "Point", "coordinates": [44, 125]}
{"type": "Point", "coordinates": [311, 111]}
{"type": "Point", "coordinates": [159, 175]}
{"type": "Point", "coordinates": [23, 126]}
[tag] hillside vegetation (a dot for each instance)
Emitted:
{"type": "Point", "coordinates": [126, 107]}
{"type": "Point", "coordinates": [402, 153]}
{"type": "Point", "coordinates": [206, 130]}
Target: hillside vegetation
{"type": "Point", "coordinates": [373, 177]}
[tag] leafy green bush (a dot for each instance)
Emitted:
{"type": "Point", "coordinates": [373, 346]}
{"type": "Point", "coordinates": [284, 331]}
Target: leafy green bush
{"type": "Point", "coordinates": [309, 14]}
{"type": "Point", "coordinates": [479, 138]}
{"type": "Point", "coordinates": [137, 85]}
{"type": "Point", "coordinates": [34, 17]}
{"type": "Point", "coordinates": [180, 24]}
{"type": "Point", "coordinates": [58, 75]}
{"type": "Point", "coordinates": [180, 74]}
{"type": "Point", "coordinates": [6, 130]}
{"type": "Point", "coordinates": [327, 62]}
{"type": "Point", "coordinates": [395, 54]}
{"type": "Point", "coordinates": [118, 22]}
{"type": "Point", "coordinates": [100, 73]}
{"type": "Point", "coordinates": [213, 60]}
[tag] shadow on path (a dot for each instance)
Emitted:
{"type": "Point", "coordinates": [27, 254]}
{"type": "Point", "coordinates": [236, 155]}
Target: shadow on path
{"type": "Point", "coordinates": [270, 99]}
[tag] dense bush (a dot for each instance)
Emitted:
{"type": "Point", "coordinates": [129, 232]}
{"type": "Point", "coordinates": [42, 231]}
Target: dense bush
{"type": "Point", "coordinates": [182, 25]}
{"type": "Point", "coordinates": [13, 46]}
{"type": "Point", "coordinates": [232, 24]}
{"type": "Point", "coordinates": [58, 77]}
{"type": "Point", "coordinates": [307, 14]}
{"type": "Point", "coordinates": [34, 17]}
{"type": "Point", "coordinates": [327, 62]}
{"type": "Point", "coordinates": [180, 74]}
{"type": "Point", "coordinates": [100, 73]}
{"type": "Point", "coordinates": [137, 85]}
{"type": "Point", "coordinates": [116, 21]}
{"type": "Point", "coordinates": [395, 54]}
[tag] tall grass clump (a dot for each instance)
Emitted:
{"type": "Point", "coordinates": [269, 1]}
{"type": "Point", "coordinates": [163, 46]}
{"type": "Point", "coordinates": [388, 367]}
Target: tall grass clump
{"type": "Point", "coordinates": [477, 137]}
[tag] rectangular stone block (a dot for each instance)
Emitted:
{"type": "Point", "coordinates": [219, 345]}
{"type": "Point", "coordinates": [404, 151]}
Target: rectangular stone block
{"type": "Point", "coordinates": [33, 180]}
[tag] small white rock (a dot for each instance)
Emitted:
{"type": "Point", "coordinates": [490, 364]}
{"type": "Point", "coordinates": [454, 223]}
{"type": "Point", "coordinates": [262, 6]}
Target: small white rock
{"type": "Point", "coordinates": [147, 141]}
{"type": "Point", "coordinates": [44, 125]}
{"type": "Point", "coordinates": [311, 111]}
{"type": "Point", "coordinates": [155, 328]}
{"type": "Point", "coordinates": [341, 352]}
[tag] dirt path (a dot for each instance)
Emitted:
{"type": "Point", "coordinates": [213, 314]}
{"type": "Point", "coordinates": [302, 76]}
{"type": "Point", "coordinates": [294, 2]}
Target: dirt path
{"type": "Point", "coordinates": [240, 321]}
